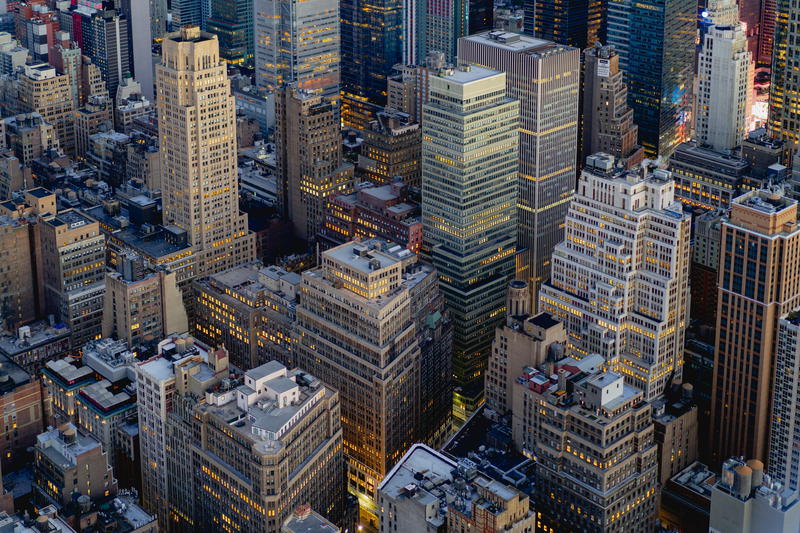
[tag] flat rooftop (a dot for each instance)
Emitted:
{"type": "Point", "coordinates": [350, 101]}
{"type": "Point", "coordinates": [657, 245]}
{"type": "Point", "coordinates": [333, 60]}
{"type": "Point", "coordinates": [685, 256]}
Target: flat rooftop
{"type": "Point", "coordinates": [360, 257]}
{"type": "Point", "coordinates": [515, 42]}
{"type": "Point", "coordinates": [467, 74]}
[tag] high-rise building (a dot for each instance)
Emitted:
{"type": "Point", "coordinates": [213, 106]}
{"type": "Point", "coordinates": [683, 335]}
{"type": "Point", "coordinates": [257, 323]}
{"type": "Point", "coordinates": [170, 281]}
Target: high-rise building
{"type": "Point", "coordinates": [140, 48]}
{"type": "Point", "coordinates": [372, 44]}
{"type": "Point", "coordinates": [758, 283]}
{"type": "Point", "coordinates": [23, 400]}
{"type": "Point", "coordinates": [427, 491]}
{"type": "Point", "coordinates": [28, 135]}
{"type": "Point", "coordinates": [105, 39]}
{"type": "Point", "coordinates": [385, 211]}
{"type": "Point", "coordinates": [198, 150]}
{"type": "Point", "coordinates": [272, 440]}
{"type": "Point", "coordinates": [725, 82]}
{"type": "Point", "coordinates": [784, 96]}
{"type": "Point", "coordinates": [297, 43]}
{"type": "Point", "coordinates": [655, 40]}
{"type": "Point", "coordinates": [620, 279]}
{"type": "Point", "coordinates": [181, 362]}
{"type": "Point", "coordinates": [72, 265]}
{"type": "Point", "coordinates": [744, 501]}
{"type": "Point", "coordinates": [42, 90]}
{"type": "Point", "coordinates": [705, 267]}
{"type": "Point", "coordinates": [90, 119]}
{"type": "Point", "coordinates": [548, 137]}
{"type": "Point", "coordinates": [158, 18]}
{"type": "Point", "coordinates": [189, 12]}
{"type": "Point", "coordinates": [676, 430]}
{"type": "Point", "coordinates": [357, 330]}
{"type": "Point", "coordinates": [391, 149]}
{"type": "Point", "coordinates": [784, 455]}
{"type": "Point", "coordinates": [250, 311]}
{"type": "Point", "coordinates": [608, 124]}
{"type": "Point", "coordinates": [232, 22]}
{"type": "Point", "coordinates": [706, 178]}
{"type": "Point", "coordinates": [574, 424]}
{"type": "Point", "coordinates": [577, 23]}
{"type": "Point", "coordinates": [142, 304]}
{"type": "Point", "coordinates": [469, 188]}
{"type": "Point", "coordinates": [524, 340]}
{"type": "Point", "coordinates": [309, 158]}
{"type": "Point", "coordinates": [66, 462]}
{"type": "Point", "coordinates": [443, 24]}
{"type": "Point", "coordinates": [305, 520]}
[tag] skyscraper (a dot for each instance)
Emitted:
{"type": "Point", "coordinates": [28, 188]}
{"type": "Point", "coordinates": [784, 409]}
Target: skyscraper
{"type": "Point", "coordinates": [545, 78]}
{"type": "Point", "coordinates": [784, 97]}
{"type": "Point", "coordinates": [105, 39]}
{"type": "Point", "coordinates": [232, 22]}
{"type": "Point", "coordinates": [577, 23]}
{"type": "Point", "coordinates": [158, 18]}
{"type": "Point", "coordinates": [784, 455]}
{"type": "Point", "coordinates": [198, 150]}
{"type": "Point", "coordinates": [445, 22]}
{"type": "Point", "coordinates": [309, 158]}
{"type": "Point", "coordinates": [725, 75]}
{"type": "Point", "coordinates": [297, 42]}
{"type": "Point", "coordinates": [582, 482]}
{"type": "Point", "coordinates": [469, 184]}
{"type": "Point", "coordinates": [372, 43]}
{"type": "Point", "coordinates": [758, 283]}
{"type": "Point", "coordinates": [356, 331]}
{"type": "Point", "coordinates": [656, 43]}
{"type": "Point", "coordinates": [44, 91]}
{"type": "Point", "coordinates": [620, 279]}
{"type": "Point", "coordinates": [608, 124]}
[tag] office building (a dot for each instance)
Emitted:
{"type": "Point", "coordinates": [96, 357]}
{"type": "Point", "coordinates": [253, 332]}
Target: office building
{"type": "Point", "coordinates": [626, 240]}
{"type": "Point", "coordinates": [14, 176]}
{"type": "Point", "coordinates": [200, 190]}
{"type": "Point", "coordinates": [548, 137]}
{"type": "Point", "coordinates": [764, 150]}
{"type": "Point", "coordinates": [158, 18]}
{"type": "Point", "coordinates": [706, 178]}
{"type": "Point", "coordinates": [608, 124]}
{"type": "Point", "coordinates": [574, 420]}
{"type": "Point", "coordinates": [142, 304]}
{"type": "Point", "coordinates": [24, 402]}
{"type": "Point", "coordinates": [372, 44]}
{"type": "Point", "coordinates": [104, 38]}
{"type": "Point", "coordinates": [232, 22]}
{"type": "Point", "coordinates": [72, 271]}
{"type": "Point", "coordinates": [655, 40]}
{"type": "Point", "coordinates": [68, 462]}
{"type": "Point", "coordinates": [250, 311]}
{"type": "Point", "coordinates": [705, 267]}
{"type": "Point", "coordinates": [29, 136]}
{"type": "Point", "coordinates": [312, 58]}
{"type": "Point", "coordinates": [128, 109]}
{"type": "Point", "coordinates": [309, 158]}
{"type": "Point", "coordinates": [391, 149]}
{"type": "Point", "coordinates": [577, 23]}
{"type": "Point", "coordinates": [686, 499]}
{"type": "Point", "coordinates": [12, 55]}
{"type": "Point", "coordinates": [92, 118]}
{"type": "Point", "coordinates": [387, 211]}
{"type": "Point", "coordinates": [784, 455]}
{"type": "Point", "coordinates": [428, 491]}
{"type": "Point", "coordinates": [443, 24]}
{"type": "Point", "coordinates": [189, 12]}
{"type": "Point", "coordinates": [524, 340]}
{"type": "Point", "coordinates": [468, 213]}
{"type": "Point", "coordinates": [676, 430]}
{"type": "Point", "coordinates": [17, 301]}
{"type": "Point", "coordinates": [180, 362]}
{"type": "Point", "coordinates": [273, 441]}
{"type": "Point", "coordinates": [139, 26]}
{"type": "Point", "coordinates": [757, 285]}
{"type": "Point", "coordinates": [744, 500]}
{"type": "Point", "coordinates": [784, 95]}
{"type": "Point", "coordinates": [42, 90]}
{"type": "Point", "coordinates": [357, 331]}
{"type": "Point", "coordinates": [725, 82]}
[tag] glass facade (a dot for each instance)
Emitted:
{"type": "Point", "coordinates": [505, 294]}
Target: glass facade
{"type": "Point", "coordinates": [661, 34]}
{"type": "Point", "coordinates": [469, 174]}
{"type": "Point", "coordinates": [232, 22]}
{"type": "Point", "coordinates": [372, 43]}
{"type": "Point", "coordinates": [571, 22]}
{"type": "Point", "coordinates": [784, 98]}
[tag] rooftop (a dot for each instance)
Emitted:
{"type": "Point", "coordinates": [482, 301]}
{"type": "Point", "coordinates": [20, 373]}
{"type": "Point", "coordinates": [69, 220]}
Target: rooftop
{"type": "Point", "coordinates": [31, 336]}
{"type": "Point", "coordinates": [307, 521]}
{"type": "Point", "coordinates": [68, 372]}
{"type": "Point", "coordinates": [517, 42]}
{"type": "Point", "coordinates": [63, 446]}
{"type": "Point", "coordinates": [467, 74]}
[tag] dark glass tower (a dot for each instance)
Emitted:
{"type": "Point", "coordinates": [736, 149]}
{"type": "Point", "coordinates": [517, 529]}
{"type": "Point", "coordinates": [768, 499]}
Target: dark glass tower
{"type": "Point", "coordinates": [372, 43]}
{"type": "Point", "coordinates": [232, 22]}
{"type": "Point", "coordinates": [576, 23]}
{"type": "Point", "coordinates": [481, 16]}
{"type": "Point", "coordinates": [658, 55]}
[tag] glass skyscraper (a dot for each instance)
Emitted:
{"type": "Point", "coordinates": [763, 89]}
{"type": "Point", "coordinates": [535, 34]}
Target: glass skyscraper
{"type": "Point", "coordinates": [469, 186]}
{"type": "Point", "coordinates": [232, 22]}
{"type": "Point", "coordinates": [661, 35]}
{"type": "Point", "coordinates": [372, 43]}
{"type": "Point", "coordinates": [784, 97]}
{"type": "Point", "coordinates": [572, 22]}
